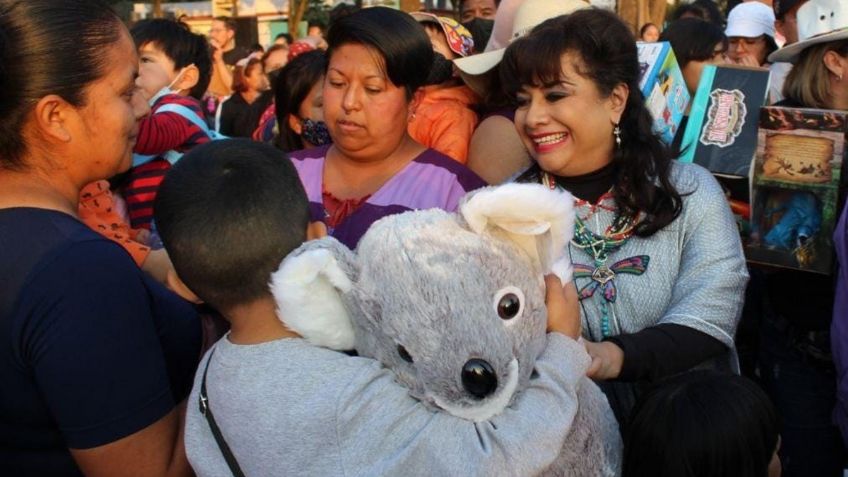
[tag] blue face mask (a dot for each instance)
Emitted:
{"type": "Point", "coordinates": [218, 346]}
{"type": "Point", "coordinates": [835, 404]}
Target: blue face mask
{"type": "Point", "coordinates": [315, 132]}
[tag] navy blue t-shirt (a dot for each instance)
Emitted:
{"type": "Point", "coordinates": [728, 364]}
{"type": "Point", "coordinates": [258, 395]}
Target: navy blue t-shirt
{"type": "Point", "coordinates": [91, 348]}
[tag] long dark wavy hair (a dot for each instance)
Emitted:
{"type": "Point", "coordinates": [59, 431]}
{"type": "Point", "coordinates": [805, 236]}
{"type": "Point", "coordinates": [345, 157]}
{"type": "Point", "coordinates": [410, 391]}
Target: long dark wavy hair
{"type": "Point", "coordinates": [609, 58]}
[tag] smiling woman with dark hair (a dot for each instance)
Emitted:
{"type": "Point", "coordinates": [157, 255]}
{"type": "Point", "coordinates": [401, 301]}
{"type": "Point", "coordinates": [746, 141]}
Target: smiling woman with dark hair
{"type": "Point", "coordinates": [657, 257]}
{"type": "Point", "coordinates": [96, 354]}
{"type": "Point", "coordinates": [378, 59]}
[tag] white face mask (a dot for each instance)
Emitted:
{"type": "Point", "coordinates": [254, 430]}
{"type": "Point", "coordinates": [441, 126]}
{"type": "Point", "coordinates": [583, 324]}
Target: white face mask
{"type": "Point", "coordinates": [169, 89]}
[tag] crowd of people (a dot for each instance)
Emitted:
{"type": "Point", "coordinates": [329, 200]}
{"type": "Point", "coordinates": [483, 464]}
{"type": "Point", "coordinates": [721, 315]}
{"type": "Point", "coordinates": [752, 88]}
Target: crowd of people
{"type": "Point", "coordinates": [152, 179]}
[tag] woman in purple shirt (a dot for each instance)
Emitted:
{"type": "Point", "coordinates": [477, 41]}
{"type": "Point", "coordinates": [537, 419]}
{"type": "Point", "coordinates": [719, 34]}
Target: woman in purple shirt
{"type": "Point", "coordinates": [378, 58]}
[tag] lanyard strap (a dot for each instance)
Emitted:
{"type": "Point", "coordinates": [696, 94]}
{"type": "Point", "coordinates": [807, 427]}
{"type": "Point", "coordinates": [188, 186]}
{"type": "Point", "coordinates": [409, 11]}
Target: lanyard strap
{"type": "Point", "coordinates": [203, 401]}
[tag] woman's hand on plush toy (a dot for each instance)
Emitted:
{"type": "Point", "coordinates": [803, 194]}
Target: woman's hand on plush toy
{"type": "Point", "coordinates": [563, 307]}
{"type": "Point", "coordinates": [607, 359]}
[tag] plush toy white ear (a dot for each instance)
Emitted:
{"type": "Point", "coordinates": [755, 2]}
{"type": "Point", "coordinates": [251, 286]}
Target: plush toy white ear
{"type": "Point", "coordinates": [307, 288]}
{"type": "Point", "coordinates": [536, 218]}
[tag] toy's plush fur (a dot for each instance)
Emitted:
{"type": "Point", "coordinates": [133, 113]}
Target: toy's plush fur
{"type": "Point", "coordinates": [429, 282]}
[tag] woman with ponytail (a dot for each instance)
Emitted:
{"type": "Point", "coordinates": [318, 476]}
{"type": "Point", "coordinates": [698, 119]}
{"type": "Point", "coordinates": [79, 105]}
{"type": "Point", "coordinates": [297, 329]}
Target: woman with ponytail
{"type": "Point", "coordinates": [658, 261]}
{"type": "Point", "coordinates": [96, 357]}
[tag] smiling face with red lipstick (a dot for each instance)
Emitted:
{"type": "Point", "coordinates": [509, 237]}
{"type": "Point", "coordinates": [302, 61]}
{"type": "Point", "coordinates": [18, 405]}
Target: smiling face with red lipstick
{"type": "Point", "coordinates": [567, 125]}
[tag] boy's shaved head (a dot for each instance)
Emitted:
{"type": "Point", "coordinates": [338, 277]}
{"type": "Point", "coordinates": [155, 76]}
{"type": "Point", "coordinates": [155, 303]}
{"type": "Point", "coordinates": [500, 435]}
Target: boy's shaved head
{"type": "Point", "coordinates": [228, 213]}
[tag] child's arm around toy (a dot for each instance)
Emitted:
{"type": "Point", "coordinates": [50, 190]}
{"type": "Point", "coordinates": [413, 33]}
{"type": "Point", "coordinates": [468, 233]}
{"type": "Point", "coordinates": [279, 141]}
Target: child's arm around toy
{"type": "Point", "coordinates": [563, 307]}
{"type": "Point", "coordinates": [384, 431]}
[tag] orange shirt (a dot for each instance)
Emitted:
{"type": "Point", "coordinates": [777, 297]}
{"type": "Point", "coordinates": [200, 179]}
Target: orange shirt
{"type": "Point", "coordinates": [97, 210]}
{"type": "Point", "coordinates": [444, 120]}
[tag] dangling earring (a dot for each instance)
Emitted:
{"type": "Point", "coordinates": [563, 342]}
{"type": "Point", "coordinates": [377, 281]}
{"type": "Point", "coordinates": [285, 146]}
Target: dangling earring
{"type": "Point", "coordinates": [617, 133]}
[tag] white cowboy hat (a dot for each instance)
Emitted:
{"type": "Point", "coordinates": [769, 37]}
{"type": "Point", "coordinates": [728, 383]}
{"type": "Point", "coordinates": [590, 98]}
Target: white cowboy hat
{"type": "Point", "coordinates": [530, 14]}
{"type": "Point", "coordinates": [819, 21]}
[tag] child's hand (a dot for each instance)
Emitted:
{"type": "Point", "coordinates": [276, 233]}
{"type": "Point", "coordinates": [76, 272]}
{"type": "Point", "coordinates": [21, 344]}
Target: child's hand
{"type": "Point", "coordinates": [143, 236]}
{"type": "Point", "coordinates": [316, 230]}
{"type": "Point", "coordinates": [563, 307]}
{"type": "Point", "coordinates": [607, 359]}
{"type": "Point", "coordinates": [157, 265]}
{"type": "Point", "coordinates": [748, 60]}
{"type": "Point", "coordinates": [217, 51]}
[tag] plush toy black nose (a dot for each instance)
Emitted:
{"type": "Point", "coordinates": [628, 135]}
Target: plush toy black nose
{"type": "Point", "coordinates": [478, 378]}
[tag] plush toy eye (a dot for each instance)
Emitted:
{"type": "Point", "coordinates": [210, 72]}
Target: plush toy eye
{"type": "Point", "coordinates": [508, 306]}
{"type": "Point", "coordinates": [509, 303]}
{"type": "Point", "coordinates": [404, 354]}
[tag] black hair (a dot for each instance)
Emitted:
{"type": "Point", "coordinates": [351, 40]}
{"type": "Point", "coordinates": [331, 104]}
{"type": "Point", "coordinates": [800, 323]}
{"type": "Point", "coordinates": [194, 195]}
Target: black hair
{"type": "Point", "coordinates": [241, 72]}
{"type": "Point", "coordinates": [228, 213]}
{"type": "Point", "coordinates": [256, 48]}
{"type": "Point", "coordinates": [771, 45]}
{"type": "Point", "coordinates": [441, 72]}
{"type": "Point", "coordinates": [287, 36]}
{"type": "Point", "coordinates": [340, 11]}
{"type": "Point", "coordinates": [228, 22]}
{"type": "Point", "coordinates": [462, 2]}
{"type": "Point", "coordinates": [402, 44]}
{"type": "Point", "coordinates": [180, 45]}
{"type": "Point", "coordinates": [48, 47]}
{"type": "Point", "coordinates": [291, 88]}
{"type": "Point", "coordinates": [271, 50]}
{"type": "Point", "coordinates": [701, 424]}
{"type": "Point", "coordinates": [608, 58]}
{"type": "Point", "coordinates": [704, 9]}
{"type": "Point", "coordinates": [693, 39]}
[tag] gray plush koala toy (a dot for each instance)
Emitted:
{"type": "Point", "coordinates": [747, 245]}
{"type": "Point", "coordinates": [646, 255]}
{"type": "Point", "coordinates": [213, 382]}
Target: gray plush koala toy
{"type": "Point", "coordinates": [454, 306]}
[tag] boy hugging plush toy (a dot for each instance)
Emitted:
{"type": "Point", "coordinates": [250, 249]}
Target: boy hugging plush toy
{"type": "Point", "coordinates": [454, 306]}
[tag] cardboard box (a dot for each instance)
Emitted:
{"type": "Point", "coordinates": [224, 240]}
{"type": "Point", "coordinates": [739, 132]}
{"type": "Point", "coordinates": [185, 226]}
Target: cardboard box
{"type": "Point", "coordinates": [663, 87]}
{"type": "Point", "coordinates": [797, 177]}
{"type": "Point", "coordinates": [721, 134]}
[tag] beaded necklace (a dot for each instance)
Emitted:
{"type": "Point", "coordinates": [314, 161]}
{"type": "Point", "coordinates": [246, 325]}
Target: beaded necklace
{"type": "Point", "coordinates": [600, 247]}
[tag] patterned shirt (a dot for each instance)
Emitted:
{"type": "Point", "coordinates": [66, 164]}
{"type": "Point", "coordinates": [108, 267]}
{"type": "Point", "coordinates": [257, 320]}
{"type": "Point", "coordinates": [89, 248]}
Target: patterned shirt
{"type": "Point", "coordinates": [159, 133]}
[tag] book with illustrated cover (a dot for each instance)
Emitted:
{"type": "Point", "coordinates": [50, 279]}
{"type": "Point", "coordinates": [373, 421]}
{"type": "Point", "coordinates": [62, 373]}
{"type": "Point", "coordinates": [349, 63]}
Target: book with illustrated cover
{"type": "Point", "coordinates": [663, 87]}
{"type": "Point", "coordinates": [796, 184]}
{"type": "Point", "coordinates": [721, 134]}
